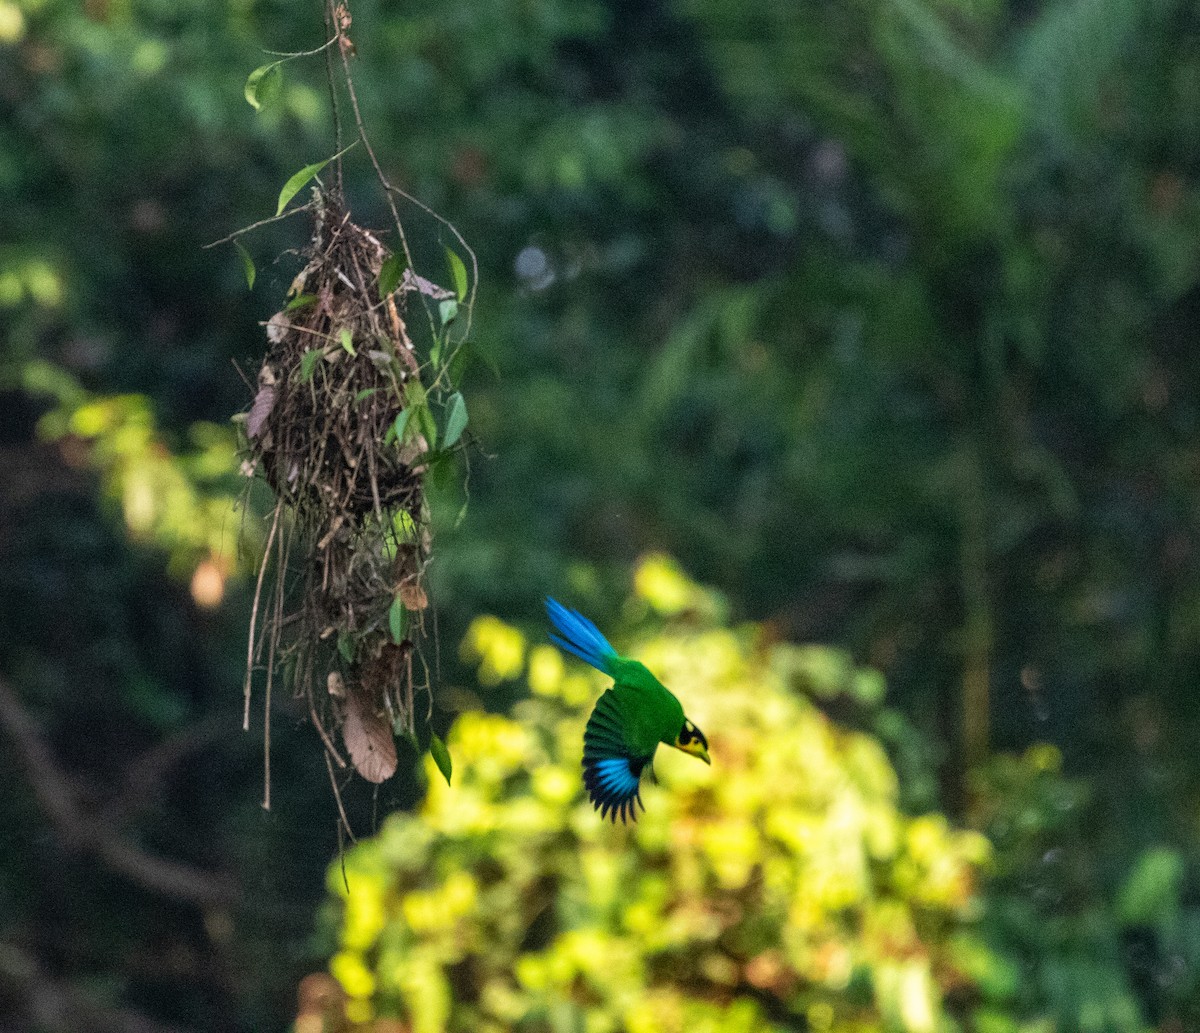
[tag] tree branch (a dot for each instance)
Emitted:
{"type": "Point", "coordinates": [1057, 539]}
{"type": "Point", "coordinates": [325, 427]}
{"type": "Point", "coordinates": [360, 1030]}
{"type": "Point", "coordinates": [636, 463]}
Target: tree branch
{"type": "Point", "coordinates": [57, 1007]}
{"type": "Point", "coordinates": [145, 776]}
{"type": "Point", "coordinates": [79, 831]}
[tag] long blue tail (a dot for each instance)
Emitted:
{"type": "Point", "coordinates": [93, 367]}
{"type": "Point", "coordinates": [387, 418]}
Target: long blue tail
{"type": "Point", "coordinates": [580, 636]}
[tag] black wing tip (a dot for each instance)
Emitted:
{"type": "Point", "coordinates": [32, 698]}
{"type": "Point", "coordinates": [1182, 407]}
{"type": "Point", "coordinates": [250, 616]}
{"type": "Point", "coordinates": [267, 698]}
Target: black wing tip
{"type": "Point", "coordinates": [627, 809]}
{"type": "Point", "coordinates": [609, 803]}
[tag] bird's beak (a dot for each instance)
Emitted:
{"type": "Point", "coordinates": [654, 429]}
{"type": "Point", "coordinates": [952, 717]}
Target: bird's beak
{"type": "Point", "coordinates": [696, 749]}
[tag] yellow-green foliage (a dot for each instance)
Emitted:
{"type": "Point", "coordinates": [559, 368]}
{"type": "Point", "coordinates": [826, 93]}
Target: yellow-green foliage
{"type": "Point", "coordinates": [182, 502]}
{"type": "Point", "coordinates": [781, 885]}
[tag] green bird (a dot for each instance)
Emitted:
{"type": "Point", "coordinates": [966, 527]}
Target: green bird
{"type": "Point", "coordinates": [628, 722]}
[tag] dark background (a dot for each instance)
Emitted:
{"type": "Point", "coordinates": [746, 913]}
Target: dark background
{"type": "Point", "coordinates": [879, 316]}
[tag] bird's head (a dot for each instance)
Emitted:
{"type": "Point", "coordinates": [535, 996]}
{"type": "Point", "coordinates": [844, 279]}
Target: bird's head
{"type": "Point", "coordinates": [691, 740]}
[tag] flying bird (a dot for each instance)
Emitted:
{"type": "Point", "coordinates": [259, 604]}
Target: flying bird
{"type": "Point", "coordinates": [628, 722]}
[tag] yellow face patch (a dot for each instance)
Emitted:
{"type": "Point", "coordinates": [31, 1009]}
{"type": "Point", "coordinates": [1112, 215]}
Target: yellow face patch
{"type": "Point", "coordinates": [691, 740]}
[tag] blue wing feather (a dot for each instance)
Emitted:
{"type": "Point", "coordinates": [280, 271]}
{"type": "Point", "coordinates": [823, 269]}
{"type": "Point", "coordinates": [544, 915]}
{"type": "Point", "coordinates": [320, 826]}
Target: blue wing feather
{"type": "Point", "coordinates": [580, 637]}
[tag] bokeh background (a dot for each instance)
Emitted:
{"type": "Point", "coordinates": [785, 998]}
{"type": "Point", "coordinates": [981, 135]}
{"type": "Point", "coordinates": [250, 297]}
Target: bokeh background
{"type": "Point", "coordinates": [838, 357]}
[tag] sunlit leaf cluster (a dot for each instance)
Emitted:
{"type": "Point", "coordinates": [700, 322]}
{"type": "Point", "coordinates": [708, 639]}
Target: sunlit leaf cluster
{"type": "Point", "coordinates": [181, 500]}
{"type": "Point", "coordinates": [783, 885]}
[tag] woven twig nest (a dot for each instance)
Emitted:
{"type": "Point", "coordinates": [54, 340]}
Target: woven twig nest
{"type": "Point", "coordinates": [350, 530]}
{"type": "Point", "coordinates": [332, 383]}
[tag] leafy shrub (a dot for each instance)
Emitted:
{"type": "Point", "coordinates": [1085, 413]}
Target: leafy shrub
{"type": "Point", "coordinates": [783, 887]}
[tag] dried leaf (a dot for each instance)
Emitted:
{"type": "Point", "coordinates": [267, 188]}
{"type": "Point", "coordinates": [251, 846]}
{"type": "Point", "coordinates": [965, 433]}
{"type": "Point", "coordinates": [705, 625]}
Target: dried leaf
{"type": "Point", "coordinates": [368, 738]}
{"type": "Point", "coordinates": [264, 402]}
{"type": "Point", "coordinates": [300, 280]}
{"type": "Point", "coordinates": [336, 685]}
{"type": "Point", "coordinates": [277, 327]}
{"type": "Point", "coordinates": [407, 564]}
{"type": "Point", "coordinates": [413, 451]}
{"type": "Point", "coordinates": [343, 23]}
{"type": "Point", "coordinates": [413, 596]}
{"type": "Point", "coordinates": [412, 282]}
{"type": "Point", "coordinates": [400, 331]}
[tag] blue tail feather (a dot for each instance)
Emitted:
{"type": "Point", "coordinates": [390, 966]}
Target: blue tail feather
{"type": "Point", "coordinates": [580, 636]}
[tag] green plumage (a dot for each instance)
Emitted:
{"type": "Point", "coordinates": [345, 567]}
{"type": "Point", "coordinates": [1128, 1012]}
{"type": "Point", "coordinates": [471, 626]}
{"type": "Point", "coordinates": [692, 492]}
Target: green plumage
{"type": "Point", "coordinates": [646, 712]}
{"type": "Point", "coordinates": [626, 726]}
{"type": "Point", "coordinates": [628, 722]}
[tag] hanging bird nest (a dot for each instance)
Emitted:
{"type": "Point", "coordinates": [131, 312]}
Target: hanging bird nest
{"type": "Point", "coordinates": [342, 428]}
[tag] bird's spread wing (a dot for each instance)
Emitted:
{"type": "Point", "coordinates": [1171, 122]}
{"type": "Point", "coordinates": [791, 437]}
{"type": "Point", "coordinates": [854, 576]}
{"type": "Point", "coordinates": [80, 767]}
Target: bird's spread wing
{"type": "Point", "coordinates": [612, 770]}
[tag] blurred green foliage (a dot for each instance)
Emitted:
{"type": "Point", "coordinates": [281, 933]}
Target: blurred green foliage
{"type": "Point", "coordinates": [1101, 942]}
